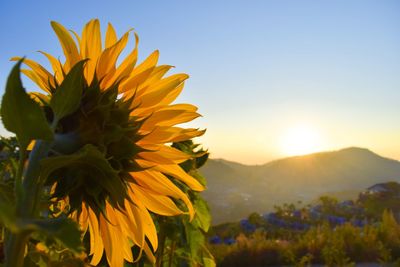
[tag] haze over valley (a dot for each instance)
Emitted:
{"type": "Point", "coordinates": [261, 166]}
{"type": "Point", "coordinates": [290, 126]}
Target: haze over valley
{"type": "Point", "coordinates": [236, 190]}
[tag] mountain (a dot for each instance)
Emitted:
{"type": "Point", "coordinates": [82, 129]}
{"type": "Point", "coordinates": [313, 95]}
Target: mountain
{"type": "Point", "coordinates": [235, 190]}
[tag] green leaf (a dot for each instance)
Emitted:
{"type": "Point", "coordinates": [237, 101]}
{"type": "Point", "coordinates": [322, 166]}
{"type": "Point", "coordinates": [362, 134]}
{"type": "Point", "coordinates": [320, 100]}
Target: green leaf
{"type": "Point", "coordinates": [28, 262]}
{"type": "Point", "coordinates": [208, 262]}
{"type": "Point", "coordinates": [203, 217]}
{"type": "Point", "coordinates": [42, 263]}
{"type": "Point", "coordinates": [67, 96]}
{"type": "Point", "coordinates": [21, 114]}
{"type": "Point", "coordinates": [199, 177]}
{"type": "Point", "coordinates": [7, 216]}
{"type": "Point", "coordinates": [201, 160]}
{"type": "Point", "coordinates": [62, 229]}
{"type": "Point", "coordinates": [195, 239]}
{"type": "Point", "coordinates": [6, 192]}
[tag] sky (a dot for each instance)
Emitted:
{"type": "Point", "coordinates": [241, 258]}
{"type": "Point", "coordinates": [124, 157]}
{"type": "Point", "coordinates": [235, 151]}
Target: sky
{"type": "Point", "coordinates": [266, 75]}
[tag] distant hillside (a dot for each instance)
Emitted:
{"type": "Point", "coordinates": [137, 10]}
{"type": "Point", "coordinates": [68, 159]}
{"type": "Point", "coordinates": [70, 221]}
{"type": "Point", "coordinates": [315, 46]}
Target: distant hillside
{"type": "Point", "coordinates": [235, 190]}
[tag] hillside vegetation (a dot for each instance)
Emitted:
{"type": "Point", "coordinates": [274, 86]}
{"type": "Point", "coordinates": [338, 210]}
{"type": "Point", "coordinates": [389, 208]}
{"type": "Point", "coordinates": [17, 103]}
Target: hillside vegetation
{"type": "Point", "coordinates": [235, 189]}
{"type": "Point", "coordinates": [329, 232]}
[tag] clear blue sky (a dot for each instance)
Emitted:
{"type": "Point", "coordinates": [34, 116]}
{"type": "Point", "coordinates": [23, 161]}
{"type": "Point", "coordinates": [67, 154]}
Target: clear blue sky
{"type": "Point", "coordinates": [258, 68]}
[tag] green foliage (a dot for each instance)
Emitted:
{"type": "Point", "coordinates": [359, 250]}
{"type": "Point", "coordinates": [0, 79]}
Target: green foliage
{"type": "Point", "coordinates": [68, 95]}
{"type": "Point", "coordinates": [9, 153]}
{"type": "Point", "coordinates": [21, 114]}
{"type": "Point", "coordinates": [203, 217]}
{"type": "Point", "coordinates": [50, 254]}
{"type": "Point", "coordinates": [389, 232]}
{"type": "Point", "coordinates": [209, 262]}
{"type": "Point", "coordinates": [255, 250]}
{"type": "Point", "coordinates": [8, 169]}
{"type": "Point", "coordinates": [375, 203]}
{"type": "Point", "coordinates": [306, 260]}
{"type": "Point", "coordinates": [7, 216]}
{"type": "Point", "coordinates": [328, 204]}
{"type": "Point", "coordinates": [255, 219]}
{"type": "Point", "coordinates": [285, 211]}
{"type": "Point", "coordinates": [183, 242]}
{"type": "Point", "coordinates": [334, 251]}
{"type": "Point", "coordinates": [342, 245]}
{"type": "Point", "coordinates": [385, 255]}
{"type": "Point", "coordinates": [61, 229]}
{"type": "Point", "coordinates": [20, 187]}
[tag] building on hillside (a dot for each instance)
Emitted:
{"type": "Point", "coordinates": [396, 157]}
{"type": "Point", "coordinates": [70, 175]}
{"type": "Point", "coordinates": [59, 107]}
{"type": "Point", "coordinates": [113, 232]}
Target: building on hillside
{"type": "Point", "coordinates": [380, 197]}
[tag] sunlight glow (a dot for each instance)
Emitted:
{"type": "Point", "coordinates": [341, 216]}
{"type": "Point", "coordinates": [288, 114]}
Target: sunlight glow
{"type": "Point", "coordinates": [300, 140]}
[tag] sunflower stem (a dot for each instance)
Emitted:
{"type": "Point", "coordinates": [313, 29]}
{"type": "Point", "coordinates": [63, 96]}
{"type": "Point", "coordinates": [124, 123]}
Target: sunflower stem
{"type": "Point", "coordinates": [27, 202]}
{"type": "Point", "coordinates": [161, 244]}
{"type": "Point", "coordinates": [14, 249]}
{"type": "Point", "coordinates": [18, 176]}
{"type": "Point", "coordinates": [171, 254]}
{"type": "Point", "coordinates": [31, 184]}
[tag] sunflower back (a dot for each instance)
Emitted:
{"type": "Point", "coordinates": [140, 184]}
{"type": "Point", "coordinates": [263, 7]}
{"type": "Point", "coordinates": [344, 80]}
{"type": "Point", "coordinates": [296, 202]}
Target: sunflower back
{"type": "Point", "coordinates": [109, 159]}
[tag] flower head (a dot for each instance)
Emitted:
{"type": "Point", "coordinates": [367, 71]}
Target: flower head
{"type": "Point", "coordinates": [112, 161]}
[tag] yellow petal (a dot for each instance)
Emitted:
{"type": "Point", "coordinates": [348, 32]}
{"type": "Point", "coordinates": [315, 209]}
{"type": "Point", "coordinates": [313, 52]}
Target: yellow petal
{"type": "Point", "coordinates": [175, 171]}
{"type": "Point", "coordinates": [40, 98]}
{"type": "Point", "coordinates": [68, 45]}
{"type": "Point", "coordinates": [159, 91]}
{"type": "Point", "coordinates": [96, 241]}
{"type": "Point", "coordinates": [31, 145]}
{"type": "Point", "coordinates": [127, 250]}
{"type": "Point", "coordinates": [156, 75]}
{"type": "Point", "coordinates": [155, 202]}
{"type": "Point", "coordinates": [164, 134]}
{"type": "Point", "coordinates": [140, 73]}
{"type": "Point", "coordinates": [176, 155]}
{"type": "Point", "coordinates": [121, 222]}
{"type": "Point", "coordinates": [187, 134]}
{"type": "Point", "coordinates": [103, 225]}
{"type": "Point", "coordinates": [163, 154]}
{"type": "Point", "coordinates": [149, 227]}
{"type": "Point", "coordinates": [138, 235]}
{"type": "Point", "coordinates": [45, 76]}
{"type": "Point", "coordinates": [145, 219]}
{"type": "Point", "coordinates": [91, 47]}
{"type": "Point", "coordinates": [83, 219]}
{"type": "Point", "coordinates": [111, 36]}
{"type": "Point", "coordinates": [127, 225]}
{"type": "Point", "coordinates": [149, 254]}
{"type": "Point", "coordinates": [169, 118]}
{"type": "Point", "coordinates": [155, 157]}
{"type": "Point", "coordinates": [36, 79]}
{"type": "Point", "coordinates": [56, 65]}
{"type": "Point", "coordinates": [159, 135]}
{"type": "Point", "coordinates": [172, 95]}
{"type": "Point", "coordinates": [109, 57]}
{"type": "Point", "coordinates": [77, 37]}
{"type": "Point", "coordinates": [168, 99]}
{"type": "Point", "coordinates": [156, 181]}
{"type": "Point", "coordinates": [111, 238]}
{"type": "Point", "coordinates": [123, 71]}
{"type": "Point", "coordinates": [185, 107]}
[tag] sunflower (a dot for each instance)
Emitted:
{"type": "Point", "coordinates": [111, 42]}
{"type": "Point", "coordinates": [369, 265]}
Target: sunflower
{"type": "Point", "coordinates": [112, 161]}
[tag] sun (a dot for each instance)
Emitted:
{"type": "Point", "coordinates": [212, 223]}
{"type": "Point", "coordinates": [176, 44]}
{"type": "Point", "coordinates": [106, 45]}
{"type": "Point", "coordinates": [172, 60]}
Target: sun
{"type": "Point", "coordinates": [300, 140]}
